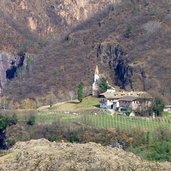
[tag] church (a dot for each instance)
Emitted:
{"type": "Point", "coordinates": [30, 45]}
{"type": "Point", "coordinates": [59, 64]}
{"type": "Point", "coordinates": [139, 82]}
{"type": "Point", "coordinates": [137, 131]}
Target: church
{"type": "Point", "coordinates": [95, 85]}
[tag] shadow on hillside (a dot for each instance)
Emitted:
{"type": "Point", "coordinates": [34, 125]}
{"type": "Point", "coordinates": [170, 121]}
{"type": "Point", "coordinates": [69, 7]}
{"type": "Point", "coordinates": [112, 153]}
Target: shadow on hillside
{"type": "Point", "coordinates": [74, 102]}
{"type": "Point", "coordinates": [98, 106]}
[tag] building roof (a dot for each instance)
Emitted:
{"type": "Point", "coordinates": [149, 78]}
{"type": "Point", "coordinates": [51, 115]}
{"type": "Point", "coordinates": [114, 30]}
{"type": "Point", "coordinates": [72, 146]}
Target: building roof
{"type": "Point", "coordinates": [129, 98]}
{"type": "Point", "coordinates": [111, 94]}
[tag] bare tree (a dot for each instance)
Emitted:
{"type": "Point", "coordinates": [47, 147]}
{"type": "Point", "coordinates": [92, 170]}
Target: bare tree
{"type": "Point", "coordinates": [71, 95]}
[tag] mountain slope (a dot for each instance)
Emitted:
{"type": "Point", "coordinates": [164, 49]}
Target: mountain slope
{"type": "Point", "coordinates": [130, 42]}
{"type": "Point", "coordinates": [47, 156]}
{"type": "Point", "coordinates": [28, 26]}
{"type": "Point", "coordinates": [32, 22]}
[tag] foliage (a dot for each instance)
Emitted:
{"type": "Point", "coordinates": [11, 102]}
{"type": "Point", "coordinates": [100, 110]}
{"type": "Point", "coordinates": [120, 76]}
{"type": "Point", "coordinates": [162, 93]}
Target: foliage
{"type": "Point", "coordinates": [160, 151]}
{"type": "Point", "coordinates": [80, 92]}
{"type": "Point", "coordinates": [129, 28]}
{"type": "Point", "coordinates": [53, 137]}
{"type": "Point", "coordinates": [31, 120]}
{"type": "Point", "coordinates": [158, 106]}
{"type": "Point", "coordinates": [73, 138]}
{"type": "Point", "coordinates": [13, 120]}
{"type": "Point", "coordinates": [3, 122]}
{"type": "Point", "coordinates": [6, 121]}
{"type": "Point", "coordinates": [103, 85]}
{"type": "Point", "coordinates": [51, 99]}
{"type": "Point", "coordinates": [57, 72]}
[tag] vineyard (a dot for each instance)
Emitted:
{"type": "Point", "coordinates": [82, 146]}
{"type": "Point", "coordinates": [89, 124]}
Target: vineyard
{"type": "Point", "coordinates": [105, 120]}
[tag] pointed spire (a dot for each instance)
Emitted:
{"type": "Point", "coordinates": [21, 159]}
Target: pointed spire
{"type": "Point", "coordinates": [97, 70]}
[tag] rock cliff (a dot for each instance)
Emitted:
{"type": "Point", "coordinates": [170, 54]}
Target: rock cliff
{"type": "Point", "coordinates": [46, 156]}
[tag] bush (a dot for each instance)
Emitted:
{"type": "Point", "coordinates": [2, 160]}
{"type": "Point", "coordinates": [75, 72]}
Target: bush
{"type": "Point", "coordinates": [13, 120]}
{"type": "Point", "coordinates": [73, 138]}
{"type": "Point", "coordinates": [31, 120]}
{"type": "Point", "coordinates": [3, 122]}
{"type": "Point", "coordinates": [160, 151]}
{"type": "Point", "coordinates": [53, 137]}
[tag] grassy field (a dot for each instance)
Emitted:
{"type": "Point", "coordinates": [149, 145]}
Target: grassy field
{"type": "Point", "coordinates": [106, 120]}
{"type": "Point", "coordinates": [88, 103]}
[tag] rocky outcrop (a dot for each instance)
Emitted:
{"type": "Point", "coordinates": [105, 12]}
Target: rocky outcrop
{"type": "Point", "coordinates": [115, 57]}
{"type": "Point", "coordinates": [46, 156]}
{"type": "Point", "coordinates": [8, 67]}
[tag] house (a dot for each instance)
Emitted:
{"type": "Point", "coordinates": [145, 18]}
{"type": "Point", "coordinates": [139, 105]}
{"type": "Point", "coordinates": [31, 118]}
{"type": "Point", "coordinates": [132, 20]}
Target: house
{"type": "Point", "coordinates": [123, 99]}
{"type": "Point", "coordinates": [129, 102]}
{"type": "Point", "coordinates": [167, 108]}
{"type": "Point", "coordinates": [135, 103]}
{"type": "Point", "coordinates": [109, 99]}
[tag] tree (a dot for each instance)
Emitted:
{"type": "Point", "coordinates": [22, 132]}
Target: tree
{"type": "Point", "coordinates": [3, 122]}
{"type": "Point", "coordinates": [80, 92]}
{"type": "Point", "coordinates": [158, 106]}
{"type": "Point", "coordinates": [29, 65]}
{"type": "Point", "coordinates": [51, 99]}
{"type": "Point", "coordinates": [31, 120]}
{"type": "Point", "coordinates": [103, 85]}
{"type": "Point", "coordinates": [71, 95]}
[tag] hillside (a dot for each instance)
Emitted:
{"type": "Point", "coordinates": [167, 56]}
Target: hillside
{"type": "Point", "coordinates": [32, 23]}
{"type": "Point", "coordinates": [28, 26]}
{"type": "Point", "coordinates": [44, 155]}
{"type": "Point", "coordinates": [129, 41]}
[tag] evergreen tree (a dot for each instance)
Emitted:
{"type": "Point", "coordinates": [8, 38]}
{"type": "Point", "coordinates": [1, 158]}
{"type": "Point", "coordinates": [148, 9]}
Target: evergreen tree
{"type": "Point", "coordinates": [103, 85]}
{"type": "Point", "coordinates": [158, 106]}
{"type": "Point", "coordinates": [80, 92]}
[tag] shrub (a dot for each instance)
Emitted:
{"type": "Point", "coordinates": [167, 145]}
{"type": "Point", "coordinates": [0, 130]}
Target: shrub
{"type": "Point", "coordinates": [53, 137]}
{"type": "Point", "coordinates": [160, 151]}
{"type": "Point", "coordinates": [13, 120]}
{"type": "Point", "coordinates": [31, 120]}
{"type": "Point", "coordinates": [3, 122]}
{"type": "Point", "coordinates": [73, 138]}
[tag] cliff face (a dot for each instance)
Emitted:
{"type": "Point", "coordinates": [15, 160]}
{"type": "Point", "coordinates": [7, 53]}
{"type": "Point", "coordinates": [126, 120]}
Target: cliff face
{"type": "Point", "coordinates": [46, 156]}
{"type": "Point", "coordinates": [8, 62]}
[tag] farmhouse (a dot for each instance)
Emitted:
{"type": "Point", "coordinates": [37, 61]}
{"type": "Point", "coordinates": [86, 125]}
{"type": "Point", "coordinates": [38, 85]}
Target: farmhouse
{"type": "Point", "coordinates": [123, 99]}
{"type": "Point", "coordinates": [110, 99]}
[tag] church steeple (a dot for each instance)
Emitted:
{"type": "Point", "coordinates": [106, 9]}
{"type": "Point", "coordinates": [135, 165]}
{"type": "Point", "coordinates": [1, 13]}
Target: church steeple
{"type": "Point", "coordinates": [95, 86]}
{"type": "Point", "coordinates": [97, 70]}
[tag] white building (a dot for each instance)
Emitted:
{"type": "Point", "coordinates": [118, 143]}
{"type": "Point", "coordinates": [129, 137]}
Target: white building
{"type": "Point", "coordinates": [112, 99]}
{"type": "Point", "coordinates": [95, 86]}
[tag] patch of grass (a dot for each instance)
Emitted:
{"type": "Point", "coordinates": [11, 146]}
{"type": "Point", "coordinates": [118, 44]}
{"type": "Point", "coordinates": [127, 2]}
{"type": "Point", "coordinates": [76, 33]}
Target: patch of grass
{"type": "Point", "coordinates": [88, 103]}
{"type": "Point", "coordinates": [166, 114]}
